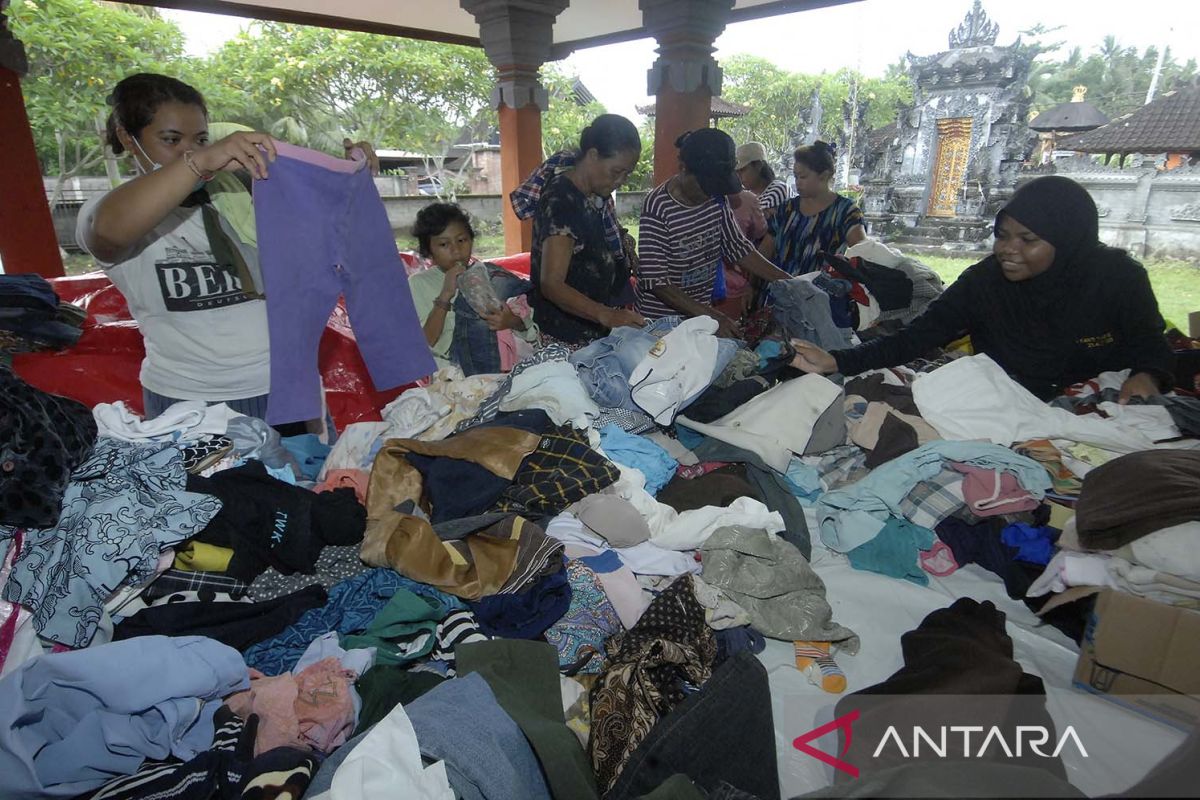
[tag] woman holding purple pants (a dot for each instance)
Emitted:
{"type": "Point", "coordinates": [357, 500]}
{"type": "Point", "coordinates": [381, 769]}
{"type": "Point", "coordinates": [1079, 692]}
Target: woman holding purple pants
{"type": "Point", "coordinates": [178, 241]}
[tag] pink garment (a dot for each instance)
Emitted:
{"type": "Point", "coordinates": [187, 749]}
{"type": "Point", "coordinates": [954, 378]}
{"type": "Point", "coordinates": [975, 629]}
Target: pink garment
{"type": "Point", "coordinates": [748, 215]}
{"type": "Point", "coordinates": [10, 613]}
{"type": "Point", "coordinates": [939, 560]}
{"type": "Point", "coordinates": [311, 710]}
{"type": "Point", "coordinates": [322, 160]}
{"type": "Point", "coordinates": [355, 479]}
{"type": "Point", "coordinates": [696, 470]}
{"type": "Point", "coordinates": [990, 493]}
{"type": "Point", "coordinates": [514, 349]}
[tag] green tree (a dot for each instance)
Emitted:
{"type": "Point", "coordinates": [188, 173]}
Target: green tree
{"type": "Point", "coordinates": [774, 97]}
{"type": "Point", "coordinates": [1117, 77]}
{"type": "Point", "coordinates": [315, 86]}
{"type": "Point", "coordinates": [568, 113]}
{"type": "Point", "coordinates": [780, 102]}
{"type": "Point", "coordinates": [78, 50]}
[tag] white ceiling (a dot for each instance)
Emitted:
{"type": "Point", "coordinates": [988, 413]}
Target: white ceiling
{"type": "Point", "coordinates": [584, 23]}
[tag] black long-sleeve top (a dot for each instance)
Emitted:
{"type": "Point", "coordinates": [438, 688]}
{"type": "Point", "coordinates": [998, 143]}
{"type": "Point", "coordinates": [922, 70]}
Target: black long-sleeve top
{"type": "Point", "coordinates": [1066, 325]}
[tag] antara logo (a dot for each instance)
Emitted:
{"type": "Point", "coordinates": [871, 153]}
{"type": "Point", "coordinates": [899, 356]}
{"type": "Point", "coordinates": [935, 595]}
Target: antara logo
{"type": "Point", "coordinates": [1035, 736]}
{"type": "Point", "coordinates": [1031, 737]}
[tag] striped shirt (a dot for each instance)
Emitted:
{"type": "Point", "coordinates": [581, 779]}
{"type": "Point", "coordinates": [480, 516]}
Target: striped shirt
{"type": "Point", "coordinates": [776, 194]}
{"type": "Point", "coordinates": [683, 246]}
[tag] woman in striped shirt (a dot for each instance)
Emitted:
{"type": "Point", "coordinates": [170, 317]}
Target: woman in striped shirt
{"type": "Point", "coordinates": [687, 229]}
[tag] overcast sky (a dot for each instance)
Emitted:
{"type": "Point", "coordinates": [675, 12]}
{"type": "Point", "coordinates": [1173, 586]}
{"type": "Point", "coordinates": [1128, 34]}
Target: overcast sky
{"type": "Point", "coordinates": [867, 35]}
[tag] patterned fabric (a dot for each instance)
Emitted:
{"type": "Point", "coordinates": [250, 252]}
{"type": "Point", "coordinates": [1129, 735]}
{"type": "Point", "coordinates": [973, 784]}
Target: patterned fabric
{"type": "Point", "coordinates": [227, 771]}
{"type": "Point", "coordinates": [934, 500]}
{"type": "Point", "coordinates": [776, 194]}
{"type": "Point", "coordinates": [538, 555]}
{"type": "Point", "coordinates": [491, 406]}
{"type": "Point", "coordinates": [202, 454]}
{"type": "Point", "coordinates": [458, 628]}
{"type": "Point", "coordinates": [799, 237]}
{"type": "Point", "coordinates": [43, 437]}
{"type": "Point", "coordinates": [175, 780]}
{"type": "Point", "coordinates": [563, 470]}
{"type": "Point", "coordinates": [1042, 451]}
{"type": "Point", "coordinates": [651, 667]}
{"type": "Point", "coordinates": [842, 466]}
{"type": "Point", "coordinates": [352, 605]}
{"type": "Point", "coordinates": [626, 420]}
{"type": "Point", "coordinates": [123, 506]}
{"type": "Point", "coordinates": [590, 619]}
{"type": "Point", "coordinates": [335, 564]}
{"type": "Point", "coordinates": [595, 269]}
{"type": "Point", "coordinates": [181, 580]}
{"type": "Point", "coordinates": [525, 197]}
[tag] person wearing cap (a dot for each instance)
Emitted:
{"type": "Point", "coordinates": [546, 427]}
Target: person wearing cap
{"type": "Point", "coordinates": [817, 219]}
{"type": "Point", "coordinates": [757, 176]}
{"type": "Point", "coordinates": [687, 230]}
{"type": "Point", "coordinates": [1051, 305]}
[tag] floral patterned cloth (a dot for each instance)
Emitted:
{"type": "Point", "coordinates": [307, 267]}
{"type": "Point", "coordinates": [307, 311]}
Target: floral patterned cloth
{"type": "Point", "coordinates": [589, 621]}
{"type": "Point", "coordinates": [668, 652]}
{"type": "Point", "coordinates": [124, 504]}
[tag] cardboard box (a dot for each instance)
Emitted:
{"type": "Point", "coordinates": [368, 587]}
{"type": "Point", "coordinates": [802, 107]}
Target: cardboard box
{"type": "Point", "coordinates": [1143, 655]}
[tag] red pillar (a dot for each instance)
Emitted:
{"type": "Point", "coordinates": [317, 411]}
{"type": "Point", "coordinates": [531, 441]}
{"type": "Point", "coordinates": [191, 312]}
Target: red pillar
{"type": "Point", "coordinates": [674, 113]}
{"type": "Point", "coordinates": [27, 239]}
{"type": "Point", "coordinates": [517, 36]}
{"type": "Point", "coordinates": [520, 154]}
{"type": "Point", "coordinates": [685, 76]}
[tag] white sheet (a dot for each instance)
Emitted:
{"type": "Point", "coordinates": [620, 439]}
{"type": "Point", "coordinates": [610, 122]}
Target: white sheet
{"type": "Point", "coordinates": [1122, 745]}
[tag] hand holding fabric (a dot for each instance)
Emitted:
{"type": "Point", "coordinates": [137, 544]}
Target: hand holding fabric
{"type": "Point", "coordinates": [368, 151]}
{"type": "Point", "coordinates": [810, 358]}
{"type": "Point", "coordinates": [248, 150]}
{"type": "Point", "coordinates": [503, 318]}
{"type": "Point", "coordinates": [726, 328]}
{"type": "Point", "coordinates": [1139, 384]}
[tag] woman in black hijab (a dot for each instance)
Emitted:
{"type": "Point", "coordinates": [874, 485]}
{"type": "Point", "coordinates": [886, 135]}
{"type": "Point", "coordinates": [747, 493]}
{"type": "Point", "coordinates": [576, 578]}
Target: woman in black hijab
{"type": "Point", "coordinates": [1051, 305]}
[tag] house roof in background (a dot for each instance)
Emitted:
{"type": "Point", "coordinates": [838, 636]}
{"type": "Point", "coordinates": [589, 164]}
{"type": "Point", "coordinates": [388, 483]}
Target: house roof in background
{"type": "Point", "coordinates": [719, 109]}
{"type": "Point", "coordinates": [1070, 116]}
{"type": "Point", "coordinates": [1168, 124]}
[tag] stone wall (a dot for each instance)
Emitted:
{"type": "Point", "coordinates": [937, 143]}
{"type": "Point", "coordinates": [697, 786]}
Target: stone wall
{"type": "Point", "coordinates": [401, 210]}
{"type": "Point", "coordinates": [1147, 212]}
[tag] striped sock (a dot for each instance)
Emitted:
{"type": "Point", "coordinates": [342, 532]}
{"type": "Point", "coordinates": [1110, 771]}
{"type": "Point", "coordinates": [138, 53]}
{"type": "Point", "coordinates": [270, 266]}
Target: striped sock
{"type": "Point", "coordinates": [813, 659]}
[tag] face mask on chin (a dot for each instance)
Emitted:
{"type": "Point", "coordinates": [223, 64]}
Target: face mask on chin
{"type": "Point", "coordinates": [155, 166]}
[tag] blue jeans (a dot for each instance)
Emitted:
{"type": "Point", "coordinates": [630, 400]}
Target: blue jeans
{"type": "Point", "coordinates": [804, 312]}
{"type": "Point", "coordinates": [473, 346]}
{"type": "Point", "coordinates": [606, 364]}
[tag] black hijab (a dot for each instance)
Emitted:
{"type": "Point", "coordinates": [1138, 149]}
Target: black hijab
{"type": "Point", "coordinates": [1059, 211]}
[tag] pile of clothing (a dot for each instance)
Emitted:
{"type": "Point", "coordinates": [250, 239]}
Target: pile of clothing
{"type": "Point", "coordinates": [32, 317]}
{"type": "Point", "coordinates": [577, 561]}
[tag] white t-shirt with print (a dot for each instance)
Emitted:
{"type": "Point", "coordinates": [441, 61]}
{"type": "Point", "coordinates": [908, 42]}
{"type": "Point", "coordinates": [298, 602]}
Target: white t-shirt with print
{"type": "Point", "coordinates": [205, 339]}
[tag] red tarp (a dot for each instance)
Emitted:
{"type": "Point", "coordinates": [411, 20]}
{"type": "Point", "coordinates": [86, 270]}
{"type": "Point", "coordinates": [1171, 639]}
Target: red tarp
{"type": "Point", "coordinates": [103, 367]}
